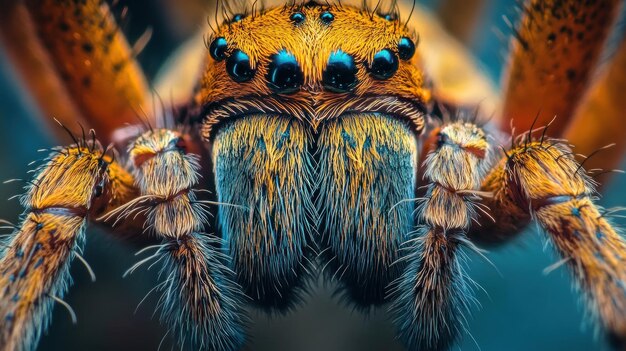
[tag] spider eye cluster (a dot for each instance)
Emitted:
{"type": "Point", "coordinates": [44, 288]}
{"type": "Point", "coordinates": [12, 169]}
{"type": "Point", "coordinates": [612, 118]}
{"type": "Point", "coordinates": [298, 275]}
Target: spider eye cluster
{"type": "Point", "coordinates": [285, 73]}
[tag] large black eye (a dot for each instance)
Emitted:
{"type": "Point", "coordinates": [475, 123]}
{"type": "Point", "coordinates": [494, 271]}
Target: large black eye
{"type": "Point", "coordinates": [284, 74]}
{"type": "Point", "coordinates": [340, 73]}
{"type": "Point", "coordinates": [218, 48]}
{"type": "Point", "coordinates": [297, 17]}
{"type": "Point", "coordinates": [238, 67]}
{"type": "Point", "coordinates": [384, 64]}
{"type": "Point", "coordinates": [406, 48]}
{"type": "Point", "coordinates": [327, 17]}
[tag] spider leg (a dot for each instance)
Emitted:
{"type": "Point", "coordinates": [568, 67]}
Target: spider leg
{"type": "Point", "coordinates": [432, 295]}
{"type": "Point", "coordinates": [366, 168]}
{"type": "Point", "coordinates": [553, 54]}
{"type": "Point", "coordinates": [599, 119]}
{"type": "Point", "coordinates": [73, 185]}
{"type": "Point", "coordinates": [460, 18]}
{"type": "Point", "coordinates": [23, 49]}
{"type": "Point", "coordinates": [263, 179]}
{"type": "Point", "coordinates": [542, 180]}
{"type": "Point", "coordinates": [201, 302]}
{"type": "Point", "coordinates": [96, 67]}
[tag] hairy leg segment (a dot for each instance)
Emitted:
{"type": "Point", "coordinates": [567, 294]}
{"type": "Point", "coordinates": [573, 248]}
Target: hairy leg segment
{"type": "Point", "coordinates": [541, 180]}
{"type": "Point", "coordinates": [73, 185]}
{"type": "Point", "coordinates": [431, 298]}
{"type": "Point", "coordinates": [201, 303]}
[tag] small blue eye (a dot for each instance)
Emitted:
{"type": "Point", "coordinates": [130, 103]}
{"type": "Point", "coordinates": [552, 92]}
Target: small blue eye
{"type": "Point", "coordinates": [340, 73]}
{"type": "Point", "coordinates": [238, 17]}
{"type": "Point", "coordinates": [218, 48]}
{"type": "Point", "coordinates": [284, 74]}
{"type": "Point", "coordinates": [239, 68]}
{"type": "Point", "coordinates": [389, 17]}
{"type": "Point", "coordinates": [384, 65]}
{"type": "Point", "coordinates": [406, 48]}
{"type": "Point", "coordinates": [327, 17]}
{"type": "Point", "coordinates": [297, 17]}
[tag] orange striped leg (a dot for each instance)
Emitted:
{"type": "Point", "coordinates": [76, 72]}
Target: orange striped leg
{"type": "Point", "coordinates": [74, 184]}
{"type": "Point", "coordinates": [503, 205]}
{"type": "Point", "coordinates": [543, 180]}
{"type": "Point", "coordinates": [93, 59]}
{"type": "Point", "coordinates": [554, 51]}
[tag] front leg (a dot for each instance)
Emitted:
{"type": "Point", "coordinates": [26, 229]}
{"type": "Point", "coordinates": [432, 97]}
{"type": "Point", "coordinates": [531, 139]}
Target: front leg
{"type": "Point", "coordinates": [201, 304]}
{"type": "Point", "coordinates": [432, 296]}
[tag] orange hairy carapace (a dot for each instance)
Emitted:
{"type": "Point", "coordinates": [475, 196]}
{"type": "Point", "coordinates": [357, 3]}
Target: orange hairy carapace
{"type": "Point", "coordinates": [311, 43]}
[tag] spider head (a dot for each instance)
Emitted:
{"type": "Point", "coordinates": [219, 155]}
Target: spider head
{"type": "Point", "coordinates": [297, 61]}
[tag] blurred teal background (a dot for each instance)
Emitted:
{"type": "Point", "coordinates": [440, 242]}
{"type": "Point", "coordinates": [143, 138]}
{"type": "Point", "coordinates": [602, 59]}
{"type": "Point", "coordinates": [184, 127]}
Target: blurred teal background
{"type": "Point", "coordinates": [521, 308]}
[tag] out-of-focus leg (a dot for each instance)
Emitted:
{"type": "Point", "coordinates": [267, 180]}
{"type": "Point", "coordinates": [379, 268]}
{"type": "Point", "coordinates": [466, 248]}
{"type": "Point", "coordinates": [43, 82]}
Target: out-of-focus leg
{"type": "Point", "coordinates": [94, 61]}
{"type": "Point", "coordinates": [25, 52]}
{"type": "Point", "coordinates": [461, 17]}
{"type": "Point", "coordinates": [543, 180]}
{"type": "Point", "coordinates": [554, 52]}
{"type": "Point", "coordinates": [599, 121]}
{"type": "Point", "coordinates": [73, 185]}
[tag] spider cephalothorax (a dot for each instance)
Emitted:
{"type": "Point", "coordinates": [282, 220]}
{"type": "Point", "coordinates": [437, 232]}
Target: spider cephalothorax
{"type": "Point", "coordinates": [304, 134]}
{"type": "Point", "coordinates": [304, 67]}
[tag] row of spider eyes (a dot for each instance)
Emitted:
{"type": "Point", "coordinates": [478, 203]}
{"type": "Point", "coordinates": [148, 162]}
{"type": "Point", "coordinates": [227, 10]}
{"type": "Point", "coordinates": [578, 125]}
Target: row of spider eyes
{"type": "Point", "coordinates": [285, 76]}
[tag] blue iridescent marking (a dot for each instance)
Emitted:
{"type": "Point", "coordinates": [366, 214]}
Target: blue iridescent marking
{"type": "Point", "coordinates": [367, 143]}
{"type": "Point", "coordinates": [348, 138]}
{"type": "Point", "coordinates": [261, 144]}
{"type": "Point", "coordinates": [38, 263]}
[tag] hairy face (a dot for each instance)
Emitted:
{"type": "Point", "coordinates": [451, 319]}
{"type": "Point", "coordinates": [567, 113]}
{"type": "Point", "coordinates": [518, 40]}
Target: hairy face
{"type": "Point", "coordinates": [297, 61]}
